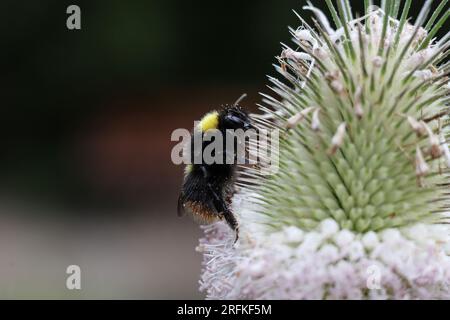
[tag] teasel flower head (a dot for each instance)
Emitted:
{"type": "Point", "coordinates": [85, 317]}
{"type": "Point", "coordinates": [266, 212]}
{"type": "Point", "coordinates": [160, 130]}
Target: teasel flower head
{"type": "Point", "coordinates": [359, 205]}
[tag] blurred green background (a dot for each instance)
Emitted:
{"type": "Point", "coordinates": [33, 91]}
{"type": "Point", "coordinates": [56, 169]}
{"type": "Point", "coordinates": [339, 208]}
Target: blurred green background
{"type": "Point", "coordinates": [85, 170]}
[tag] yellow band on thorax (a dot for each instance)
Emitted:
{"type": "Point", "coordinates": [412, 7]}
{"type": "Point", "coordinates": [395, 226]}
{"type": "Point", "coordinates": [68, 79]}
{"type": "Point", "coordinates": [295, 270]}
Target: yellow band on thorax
{"type": "Point", "coordinates": [209, 121]}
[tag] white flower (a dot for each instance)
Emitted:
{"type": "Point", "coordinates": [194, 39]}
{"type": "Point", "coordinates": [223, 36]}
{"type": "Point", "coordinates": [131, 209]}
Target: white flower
{"type": "Point", "coordinates": [370, 240]}
{"type": "Point", "coordinates": [343, 238]}
{"type": "Point", "coordinates": [313, 267]}
{"type": "Point", "coordinates": [423, 74]}
{"type": "Point", "coordinates": [355, 210]}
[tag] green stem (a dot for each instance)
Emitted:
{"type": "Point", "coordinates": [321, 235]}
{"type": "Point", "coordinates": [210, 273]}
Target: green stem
{"type": "Point", "coordinates": [402, 21]}
{"type": "Point", "coordinates": [435, 29]}
{"type": "Point", "coordinates": [334, 14]}
{"type": "Point", "coordinates": [348, 43]}
{"type": "Point", "coordinates": [435, 15]}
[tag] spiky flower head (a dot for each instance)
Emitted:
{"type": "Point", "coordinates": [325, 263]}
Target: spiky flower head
{"type": "Point", "coordinates": [359, 205]}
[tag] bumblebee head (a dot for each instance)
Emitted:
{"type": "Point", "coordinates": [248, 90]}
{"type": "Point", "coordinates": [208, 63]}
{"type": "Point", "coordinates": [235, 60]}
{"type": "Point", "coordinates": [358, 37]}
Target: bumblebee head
{"type": "Point", "coordinates": [234, 117]}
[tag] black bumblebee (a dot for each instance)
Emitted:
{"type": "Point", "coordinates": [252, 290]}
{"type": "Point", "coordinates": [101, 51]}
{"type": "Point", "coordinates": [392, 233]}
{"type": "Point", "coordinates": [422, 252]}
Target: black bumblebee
{"type": "Point", "coordinates": [208, 188]}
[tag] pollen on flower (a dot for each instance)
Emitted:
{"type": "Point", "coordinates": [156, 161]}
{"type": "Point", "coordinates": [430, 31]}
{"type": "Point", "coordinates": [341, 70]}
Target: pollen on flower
{"type": "Point", "coordinates": [419, 127]}
{"type": "Point", "coordinates": [304, 35]}
{"type": "Point", "coordinates": [338, 138]}
{"type": "Point", "coordinates": [294, 55]}
{"type": "Point", "coordinates": [295, 119]}
{"type": "Point", "coordinates": [422, 167]}
{"type": "Point", "coordinates": [435, 144]}
{"type": "Point", "coordinates": [315, 124]}
{"type": "Point", "coordinates": [358, 104]}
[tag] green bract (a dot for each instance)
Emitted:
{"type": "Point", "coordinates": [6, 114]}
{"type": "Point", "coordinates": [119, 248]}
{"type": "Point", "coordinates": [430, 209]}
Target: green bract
{"type": "Point", "coordinates": [363, 109]}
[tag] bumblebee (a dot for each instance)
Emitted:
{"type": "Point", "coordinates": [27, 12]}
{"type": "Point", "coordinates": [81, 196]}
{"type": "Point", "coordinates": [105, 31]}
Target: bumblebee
{"type": "Point", "coordinates": [208, 188]}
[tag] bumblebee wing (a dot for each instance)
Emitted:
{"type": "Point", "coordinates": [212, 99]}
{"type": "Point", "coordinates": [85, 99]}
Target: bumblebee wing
{"type": "Point", "coordinates": [180, 207]}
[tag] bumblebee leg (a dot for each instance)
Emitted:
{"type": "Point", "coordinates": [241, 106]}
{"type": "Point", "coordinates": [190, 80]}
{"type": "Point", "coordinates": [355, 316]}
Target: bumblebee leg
{"type": "Point", "coordinates": [222, 208]}
{"type": "Point", "coordinates": [231, 220]}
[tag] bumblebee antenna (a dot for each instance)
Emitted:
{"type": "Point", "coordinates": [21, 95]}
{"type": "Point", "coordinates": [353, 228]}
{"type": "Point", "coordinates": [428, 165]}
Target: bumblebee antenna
{"type": "Point", "coordinates": [240, 99]}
